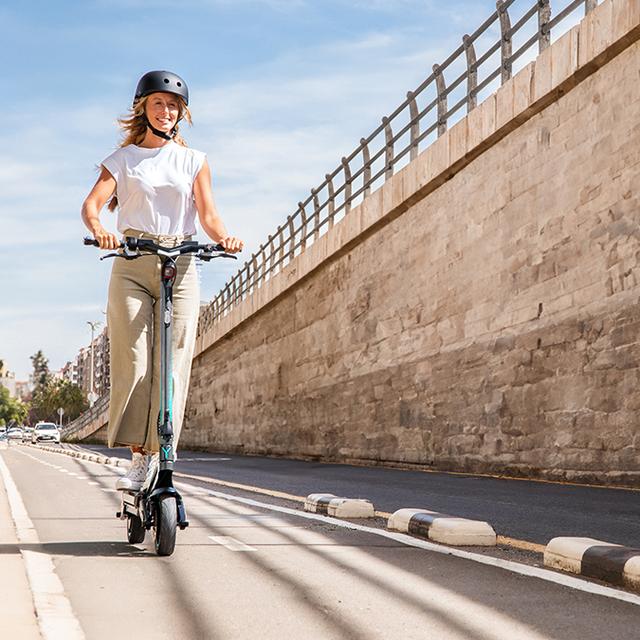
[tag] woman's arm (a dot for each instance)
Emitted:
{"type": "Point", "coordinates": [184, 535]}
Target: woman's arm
{"type": "Point", "coordinates": [102, 190]}
{"type": "Point", "coordinates": [208, 214]}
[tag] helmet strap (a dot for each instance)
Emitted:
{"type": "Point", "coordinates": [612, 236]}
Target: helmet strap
{"type": "Point", "coordinates": [161, 134]}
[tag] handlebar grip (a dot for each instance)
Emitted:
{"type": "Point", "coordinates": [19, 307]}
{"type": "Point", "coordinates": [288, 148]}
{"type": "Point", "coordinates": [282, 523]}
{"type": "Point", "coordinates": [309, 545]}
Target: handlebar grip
{"type": "Point", "coordinates": [90, 242]}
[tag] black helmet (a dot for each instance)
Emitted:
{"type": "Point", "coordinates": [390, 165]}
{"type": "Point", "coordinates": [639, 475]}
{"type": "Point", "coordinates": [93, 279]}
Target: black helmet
{"type": "Point", "coordinates": [154, 81]}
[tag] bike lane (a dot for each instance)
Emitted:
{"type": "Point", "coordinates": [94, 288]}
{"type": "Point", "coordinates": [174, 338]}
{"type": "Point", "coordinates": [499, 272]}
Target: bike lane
{"type": "Point", "coordinates": [244, 571]}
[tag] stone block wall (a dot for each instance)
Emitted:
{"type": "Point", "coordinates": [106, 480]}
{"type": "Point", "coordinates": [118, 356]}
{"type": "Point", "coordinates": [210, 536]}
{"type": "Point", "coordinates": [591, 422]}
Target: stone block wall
{"type": "Point", "coordinates": [480, 312]}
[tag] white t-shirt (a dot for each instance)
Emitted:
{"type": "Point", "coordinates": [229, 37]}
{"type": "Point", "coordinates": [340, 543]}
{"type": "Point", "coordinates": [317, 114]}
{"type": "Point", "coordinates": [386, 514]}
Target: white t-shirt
{"type": "Point", "coordinates": [155, 188]}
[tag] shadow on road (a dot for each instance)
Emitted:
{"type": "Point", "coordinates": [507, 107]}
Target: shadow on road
{"type": "Point", "coordinates": [194, 624]}
{"type": "Point", "coordinates": [436, 578]}
{"type": "Point", "coordinates": [74, 548]}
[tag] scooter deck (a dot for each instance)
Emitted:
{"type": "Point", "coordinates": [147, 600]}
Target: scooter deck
{"type": "Point", "coordinates": [134, 504]}
{"type": "Point", "coordinates": [131, 504]}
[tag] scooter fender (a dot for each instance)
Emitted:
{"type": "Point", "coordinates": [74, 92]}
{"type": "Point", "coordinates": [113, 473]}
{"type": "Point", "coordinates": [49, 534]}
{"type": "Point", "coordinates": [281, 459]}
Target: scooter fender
{"type": "Point", "coordinates": [162, 491]}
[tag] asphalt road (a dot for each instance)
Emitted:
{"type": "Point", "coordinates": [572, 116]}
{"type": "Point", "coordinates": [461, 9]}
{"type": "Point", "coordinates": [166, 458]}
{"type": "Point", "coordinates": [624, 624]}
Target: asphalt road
{"type": "Point", "coordinates": [245, 571]}
{"type": "Point", "coordinates": [532, 511]}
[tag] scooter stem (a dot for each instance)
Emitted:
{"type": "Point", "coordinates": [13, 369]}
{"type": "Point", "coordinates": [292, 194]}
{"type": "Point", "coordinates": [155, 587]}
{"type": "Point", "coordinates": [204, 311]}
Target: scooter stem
{"type": "Point", "coordinates": [165, 415]}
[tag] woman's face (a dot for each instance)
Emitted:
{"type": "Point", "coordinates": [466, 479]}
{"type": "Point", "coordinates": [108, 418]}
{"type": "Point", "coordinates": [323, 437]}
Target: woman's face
{"type": "Point", "coordinates": [162, 110]}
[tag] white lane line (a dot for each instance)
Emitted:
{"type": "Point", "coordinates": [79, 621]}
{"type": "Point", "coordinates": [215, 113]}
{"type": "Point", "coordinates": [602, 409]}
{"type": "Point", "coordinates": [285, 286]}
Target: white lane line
{"type": "Point", "coordinates": [507, 565]}
{"type": "Point", "coordinates": [94, 483]}
{"type": "Point", "coordinates": [72, 474]}
{"type": "Point", "coordinates": [204, 459]}
{"type": "Point", "coordinates": [81, 477]}
{"type": "Point", "coordinates": [53, 609]}
{"type": "Point", "coordinates": [231, 543]}
{"type": "Point", "coordinates": [110, 490]}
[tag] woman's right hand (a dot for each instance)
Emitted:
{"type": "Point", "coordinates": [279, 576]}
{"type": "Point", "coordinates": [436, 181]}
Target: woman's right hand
{"type": "Point", "coordinates": [106, 239]}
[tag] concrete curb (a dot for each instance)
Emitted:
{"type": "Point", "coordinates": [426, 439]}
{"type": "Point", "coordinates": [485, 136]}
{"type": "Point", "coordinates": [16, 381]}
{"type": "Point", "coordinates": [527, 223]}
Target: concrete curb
{"type": "Point", "coordinates": [591, 558]}
{"type": "Point", "coordinates": [331, 505]}
{"type": "Point", "coordinates": [82, 455]}
{"type": "Point", "coordinates": [439, 527]}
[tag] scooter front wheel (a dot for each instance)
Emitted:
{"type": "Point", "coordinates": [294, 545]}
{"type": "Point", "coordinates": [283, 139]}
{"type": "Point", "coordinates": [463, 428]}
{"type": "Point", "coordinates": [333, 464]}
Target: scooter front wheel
{"type": "Point", "coordinates": [166, 525]}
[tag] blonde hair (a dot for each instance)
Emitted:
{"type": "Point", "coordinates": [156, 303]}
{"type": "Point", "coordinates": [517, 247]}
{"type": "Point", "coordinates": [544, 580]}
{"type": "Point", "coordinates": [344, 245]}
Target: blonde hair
{"type": "Point", "coordinates": [134, 127]}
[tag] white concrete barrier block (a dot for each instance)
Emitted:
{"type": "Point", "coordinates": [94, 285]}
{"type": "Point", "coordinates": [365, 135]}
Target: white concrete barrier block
{"type": "Point", "coordinates": [631, 573]}
{"type": "Point", "coordinates": [566, 553]}
{"type": "Point", "coordinates": [318, 502]}
{"type": "Point", "coordinates": [443, 528]}
{"type": "Point", "coordinates": [350, 508]}
{"type": "Point", "coordinates": [399, 520]}
{"type": "Point", "coordinates": [462, 532]}
{"type": "Point", "coordinates": [338, 507]}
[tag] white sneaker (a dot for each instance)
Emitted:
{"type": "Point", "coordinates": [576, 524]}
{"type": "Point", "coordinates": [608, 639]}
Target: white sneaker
{"type": "Point", "coordinates": [134, 478]}
{"type": "Point", "coordinates": [152, 462]}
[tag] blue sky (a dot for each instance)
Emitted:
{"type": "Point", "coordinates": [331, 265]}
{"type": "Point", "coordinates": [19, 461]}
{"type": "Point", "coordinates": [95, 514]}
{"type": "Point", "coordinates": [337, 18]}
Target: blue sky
{"type": "Point", "coordinates": [280, 91]}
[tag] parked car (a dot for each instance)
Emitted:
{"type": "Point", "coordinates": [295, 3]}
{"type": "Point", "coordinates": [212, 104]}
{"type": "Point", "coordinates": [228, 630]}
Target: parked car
{"type": "Point", "coordinates": [26, 434]}
{"type": "Point", "coordinates": [15, 433]}
{"type": "Point", "coordinates": [45, 432]}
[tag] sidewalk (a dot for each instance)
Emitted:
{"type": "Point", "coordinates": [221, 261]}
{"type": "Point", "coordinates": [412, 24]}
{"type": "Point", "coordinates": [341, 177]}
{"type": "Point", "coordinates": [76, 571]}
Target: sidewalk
{"type": "Point", "coordinates": [17, 615]}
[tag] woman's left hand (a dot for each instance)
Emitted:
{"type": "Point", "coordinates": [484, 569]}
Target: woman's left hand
{"type": "Point", "coordinates": [231, 244]}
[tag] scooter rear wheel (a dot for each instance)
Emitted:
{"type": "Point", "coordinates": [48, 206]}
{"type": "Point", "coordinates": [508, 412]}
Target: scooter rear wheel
{"type": "Point", "coordinates": [166, 525]}
{"type": "Point", "coordinates": [135, 530]}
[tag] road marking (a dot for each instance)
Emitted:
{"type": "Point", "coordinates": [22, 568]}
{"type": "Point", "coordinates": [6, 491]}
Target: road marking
{"type": "Point", "coordinates": [231, 543]}
{"type": "Point", "coordinates": [508, 565]}
{"type": "Point", "coordinates": [204, 459]}
{"type": "Point", "coordinates": [94, 483]}
{"type": "Point", "coordinates": [524, 545]}
{"type": "Point", "coordinates": [110, 490]}
{"type": "Point", "coordinates": [53, 609]}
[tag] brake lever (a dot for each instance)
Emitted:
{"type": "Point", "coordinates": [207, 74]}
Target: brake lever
{"type": "Point", "coordinates": [126, 256]}
{"type": "Point", "coordinates": [207, 257]}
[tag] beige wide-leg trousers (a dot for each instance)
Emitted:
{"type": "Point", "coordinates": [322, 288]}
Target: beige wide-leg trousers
{"type": "Point", "coordinates": [134, 333]}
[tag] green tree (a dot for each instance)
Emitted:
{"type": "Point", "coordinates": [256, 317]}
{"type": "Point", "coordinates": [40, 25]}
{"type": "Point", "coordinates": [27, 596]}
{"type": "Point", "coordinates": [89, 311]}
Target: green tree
{"type": "Point", "coordinates": [41, 375]}
{"type": "Point", "coordinates": [55, 394]}
{"type": "Point", "coordinates": [11, 409]}
{"type": "Point", "coordinates": [71, 399]}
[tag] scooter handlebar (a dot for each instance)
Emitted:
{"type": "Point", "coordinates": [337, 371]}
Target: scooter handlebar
{"type": "Point", "coordinates": [135, 243]}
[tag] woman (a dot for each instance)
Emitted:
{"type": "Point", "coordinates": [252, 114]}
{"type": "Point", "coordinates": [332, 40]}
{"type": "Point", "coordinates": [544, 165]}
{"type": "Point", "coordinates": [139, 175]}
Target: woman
{"type": "Point", "coordinates": [158, 185]}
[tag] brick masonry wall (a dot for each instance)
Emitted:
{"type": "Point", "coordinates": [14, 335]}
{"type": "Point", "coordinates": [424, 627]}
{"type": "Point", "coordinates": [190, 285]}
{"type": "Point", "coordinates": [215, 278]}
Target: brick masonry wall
{"type": "Point", "coordinates": [493, 326]}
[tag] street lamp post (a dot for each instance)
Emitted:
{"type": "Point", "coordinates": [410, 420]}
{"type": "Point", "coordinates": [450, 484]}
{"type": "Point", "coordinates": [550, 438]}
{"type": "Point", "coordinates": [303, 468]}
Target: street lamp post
{"type": "Point", "coordinates": [92, 395]}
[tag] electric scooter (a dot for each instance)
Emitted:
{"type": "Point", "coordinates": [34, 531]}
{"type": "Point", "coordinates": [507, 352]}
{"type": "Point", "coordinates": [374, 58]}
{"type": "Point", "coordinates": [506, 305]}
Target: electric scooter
{"type": "Point", "coordinates": [158, 505]}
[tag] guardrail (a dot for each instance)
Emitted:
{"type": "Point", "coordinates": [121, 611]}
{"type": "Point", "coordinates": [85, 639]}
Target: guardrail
{"type": "Point", "coordinates": [425, 115]}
